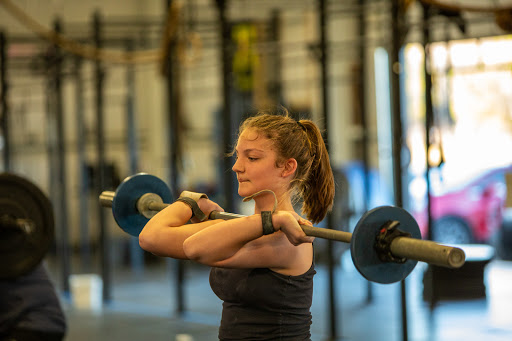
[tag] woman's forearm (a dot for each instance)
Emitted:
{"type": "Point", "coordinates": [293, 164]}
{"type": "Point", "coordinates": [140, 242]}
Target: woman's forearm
{"type": "Point", "coordinates": [164, 234]}
{"type": "Point", "coordinates": [221, 241]}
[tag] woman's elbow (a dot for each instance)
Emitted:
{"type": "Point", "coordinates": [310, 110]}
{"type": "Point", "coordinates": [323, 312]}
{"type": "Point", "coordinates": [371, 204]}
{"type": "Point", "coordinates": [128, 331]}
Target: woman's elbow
{"type": "Point", "coordinates": [191, 250]}
{"type": "Point", "coordinates": [197, 252]}
{"type": "Point", "coordinates": [200, 253]}
{"type": "Point", "coordinates": [147, 241]}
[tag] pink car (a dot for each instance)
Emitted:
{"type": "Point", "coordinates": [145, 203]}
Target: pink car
{"type": "Point", "coordinates": [470, 214]}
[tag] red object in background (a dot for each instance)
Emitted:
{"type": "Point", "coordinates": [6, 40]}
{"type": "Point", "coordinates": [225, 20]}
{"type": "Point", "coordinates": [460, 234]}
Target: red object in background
{"type": "Point", "coordinates": [470, 214]}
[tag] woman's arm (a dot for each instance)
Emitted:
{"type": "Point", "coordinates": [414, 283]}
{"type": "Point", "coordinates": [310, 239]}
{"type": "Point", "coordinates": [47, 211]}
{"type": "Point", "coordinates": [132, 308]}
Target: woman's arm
{"type": "Point", "coordinates": [164, 234]}
{"type": "Point", "coordinates": [231, 243]}
{"type": "Point", "coordinates": [217, 243]}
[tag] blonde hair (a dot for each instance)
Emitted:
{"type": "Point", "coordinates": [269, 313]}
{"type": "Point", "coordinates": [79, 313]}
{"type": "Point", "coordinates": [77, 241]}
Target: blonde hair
{"type": "Point", "coordinates": [301, 140]}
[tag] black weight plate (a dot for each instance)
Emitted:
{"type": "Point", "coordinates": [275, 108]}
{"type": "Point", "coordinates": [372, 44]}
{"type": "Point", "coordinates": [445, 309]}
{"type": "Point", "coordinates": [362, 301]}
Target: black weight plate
{"type": "Point", "coordinates": [124, 204]}
{"type": "Point", "coordinates": [362, 249]}
{"type": "Point", "coordinates": [21, 199]}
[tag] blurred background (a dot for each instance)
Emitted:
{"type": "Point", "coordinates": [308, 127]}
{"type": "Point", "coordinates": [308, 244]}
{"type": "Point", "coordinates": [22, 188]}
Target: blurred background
{"type": "Point", "coordinates": [414, 97]}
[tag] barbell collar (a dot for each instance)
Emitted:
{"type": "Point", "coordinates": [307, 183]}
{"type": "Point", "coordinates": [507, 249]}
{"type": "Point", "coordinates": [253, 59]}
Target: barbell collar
{"type": "Point", "coordinates": [149, 204]}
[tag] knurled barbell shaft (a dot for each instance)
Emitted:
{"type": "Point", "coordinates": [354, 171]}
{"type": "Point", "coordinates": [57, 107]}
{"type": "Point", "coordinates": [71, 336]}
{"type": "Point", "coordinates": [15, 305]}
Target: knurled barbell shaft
{"type": "Point", "coordinates": [405, 247]}
{"type": "Point", "coordinates": [312, 231]}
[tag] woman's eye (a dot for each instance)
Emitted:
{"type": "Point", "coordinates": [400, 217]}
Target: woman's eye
{"type": "Point", "coordinates": [252, 158]}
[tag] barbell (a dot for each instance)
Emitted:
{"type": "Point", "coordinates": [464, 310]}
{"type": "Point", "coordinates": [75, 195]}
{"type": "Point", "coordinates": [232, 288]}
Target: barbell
{"type": "Point", "coordinates": [26, 225]}
{"type": "Point", "coordinates": [381, 252]}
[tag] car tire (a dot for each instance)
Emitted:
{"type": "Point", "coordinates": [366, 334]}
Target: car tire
{"type": "Point", "coordinates": [451, 230]}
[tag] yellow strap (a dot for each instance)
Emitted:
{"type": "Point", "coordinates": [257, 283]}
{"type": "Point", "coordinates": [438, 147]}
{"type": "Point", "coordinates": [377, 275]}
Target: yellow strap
{"type": "Point", "coordinates": [193, 195]}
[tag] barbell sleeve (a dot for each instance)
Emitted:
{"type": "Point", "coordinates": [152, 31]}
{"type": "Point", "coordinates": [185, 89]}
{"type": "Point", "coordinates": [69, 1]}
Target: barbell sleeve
{"type": "Point", "coordinates": [17, 224]}
{"type": "Point", "coordinates": [428, 251]}
{"type": "Point", "coordinates": [147, 203]}
{"type": "Point", "coordinates": [107, 198]}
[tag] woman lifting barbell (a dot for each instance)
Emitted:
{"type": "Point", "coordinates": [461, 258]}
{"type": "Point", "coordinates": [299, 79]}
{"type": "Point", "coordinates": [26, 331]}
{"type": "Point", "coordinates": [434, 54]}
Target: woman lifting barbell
{"type": "Point", "coordinates": [262, 264]}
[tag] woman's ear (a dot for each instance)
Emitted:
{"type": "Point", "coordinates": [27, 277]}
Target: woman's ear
{"type": "Point", "coordinates": [290, 167]}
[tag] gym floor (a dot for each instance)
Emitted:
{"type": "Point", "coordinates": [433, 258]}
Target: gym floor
{"type": "Point", "coordinates": [142, 308]}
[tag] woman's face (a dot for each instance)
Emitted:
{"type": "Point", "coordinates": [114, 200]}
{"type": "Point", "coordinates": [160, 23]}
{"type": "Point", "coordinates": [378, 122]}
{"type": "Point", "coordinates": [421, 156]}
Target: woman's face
{"type": "Point", "coordinates": [255, 165]}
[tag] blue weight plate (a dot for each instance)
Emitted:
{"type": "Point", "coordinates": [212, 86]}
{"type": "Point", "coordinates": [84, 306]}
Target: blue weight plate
{"type": "Point", "coordinates": [124, 204]}
{"type": "Point", "coordinates": [362, 249]}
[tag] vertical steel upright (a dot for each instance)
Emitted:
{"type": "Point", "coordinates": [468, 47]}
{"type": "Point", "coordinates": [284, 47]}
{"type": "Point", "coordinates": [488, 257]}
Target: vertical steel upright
{"type": "Point", "coordinates": [397, 126]}
{"type": "Point", "coordinates": [177, 267]}
{"type": "Point", "coordinates": [276, 86]}
{"type": "Point", "coordinates": [82, 174]}
{"type": "Point", "coordinates": [4, 108]}
{"type": "Point", "coordinates": [99, 77]}
{"type": "Point", "coordinates": [136, 254]}
{"type": "Point", "coordinates": [60, 205]}
{"type": "Point", "coordinates": [429, 111]}
{"type": "Point", "coordinates": [364, 122]}
{"type": "Point", "coordinates": [324, 71]}
{"type": "Point", "coordinates": [429, 122]}
{"type": "Point", "coordinates": [51, 144]}
{"type": "Point", "coordinates": [227, 115]}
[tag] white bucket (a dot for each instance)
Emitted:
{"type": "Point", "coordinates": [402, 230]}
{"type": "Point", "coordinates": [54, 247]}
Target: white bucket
{"type": "Point", "coordinates": [87, 291]}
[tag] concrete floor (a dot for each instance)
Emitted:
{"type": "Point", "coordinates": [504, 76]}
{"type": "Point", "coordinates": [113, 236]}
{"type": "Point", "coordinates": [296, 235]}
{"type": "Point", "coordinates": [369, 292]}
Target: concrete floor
{"type": "Point", "coordinates": [143, 308]}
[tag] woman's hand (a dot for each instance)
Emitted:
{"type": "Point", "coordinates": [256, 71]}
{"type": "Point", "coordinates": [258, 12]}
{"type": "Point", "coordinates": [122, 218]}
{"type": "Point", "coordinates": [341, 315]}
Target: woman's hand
{"type": "Point", "coordinates": [289, 222]}
{"type": "Point", "coordinates": [207, 206]}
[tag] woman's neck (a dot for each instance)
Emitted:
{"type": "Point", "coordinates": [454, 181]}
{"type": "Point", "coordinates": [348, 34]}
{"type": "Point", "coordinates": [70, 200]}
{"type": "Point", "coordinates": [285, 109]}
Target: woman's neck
{"type": "Point", "coordinates": [266, 202]}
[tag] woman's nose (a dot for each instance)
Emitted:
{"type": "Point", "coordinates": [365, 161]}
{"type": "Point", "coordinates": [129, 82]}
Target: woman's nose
{"type": "Point", "coordinates": [237, 166]}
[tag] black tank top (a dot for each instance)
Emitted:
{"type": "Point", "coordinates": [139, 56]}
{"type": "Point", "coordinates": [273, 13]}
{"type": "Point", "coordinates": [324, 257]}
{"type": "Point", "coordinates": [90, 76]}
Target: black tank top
{"type": "Point", "coordinates": [260, 304]}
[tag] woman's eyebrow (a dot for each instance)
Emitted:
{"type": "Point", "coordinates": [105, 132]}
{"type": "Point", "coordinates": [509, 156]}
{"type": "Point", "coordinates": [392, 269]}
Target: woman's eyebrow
{"type": "Point", "coordinates": [249, 150]}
